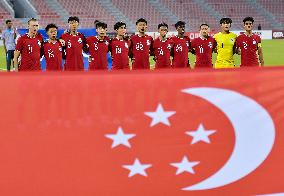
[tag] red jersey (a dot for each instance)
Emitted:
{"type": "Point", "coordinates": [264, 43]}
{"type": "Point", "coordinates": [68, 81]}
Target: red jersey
{"type": "Point", "coordinates": [119, 51]}
{"type": "Point", "coordinates": [141, 47]}
{"type": "Point", "coordinates": [203, 50]}
{"type": "Point", "coordinates": [98, 52]}
{"type": "Point", "coordinates": [73, 50]}
{"type": "Point", "coordinates": [180, 51]}
{"type": "Point", "coordinates": [162, 51]}
{"type": "Point", "coordinates": [248, 45]}
{"type": "Point", "coordinates": [53, 55]}
{"type": "Point", "coordinates": [30, 49]}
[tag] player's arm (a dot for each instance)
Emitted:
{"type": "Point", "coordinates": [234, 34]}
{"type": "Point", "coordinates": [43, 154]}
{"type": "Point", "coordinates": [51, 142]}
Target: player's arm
{"type": "Point", "coordinates": [16, 59]}
{"type": "Point", "coordinates": [152, 47]}
{"type": "Point", "coordinates": [85, 47]}
{"type": "Point", "coordinates": [237, 48]}
{"type": "Point", "coordinates": [17, 53]}
{"type": "Point", "coordinates": [193, 47]}
{"type": "Point", "coordinates": [260, 54]}
{"type": "Point", "coordinates": [130, 52]}
{"type": "Point", "coordinates": [4, 44]}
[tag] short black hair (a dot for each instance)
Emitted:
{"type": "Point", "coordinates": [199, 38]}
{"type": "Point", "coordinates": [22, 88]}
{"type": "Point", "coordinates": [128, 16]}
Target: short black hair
{"type": "Point", "coordinates": [163, 25]}
{"type": "Point", "coordinates": [73, 18]}
{"type": "Point", "coordinates": [179, 23]}
{"type": "Point", "coordinates": [226, 21]}
{"type": "Point", "coordinates": [32, 19]}
{"type": "Point", "coordinates": [204, 24]}
{"type": "Point", "coordinates": [141, 20]}
{"type": "Point", "coordinates": [101, 24]}
{"type": "Point", "coordinates": [118, 24]}
{"type": "Point", "coordinates": [7, 21]}
{"type": "Point", "coordinates": [49, 26]}
{"type": "Point", "coordinates": [249, 18]}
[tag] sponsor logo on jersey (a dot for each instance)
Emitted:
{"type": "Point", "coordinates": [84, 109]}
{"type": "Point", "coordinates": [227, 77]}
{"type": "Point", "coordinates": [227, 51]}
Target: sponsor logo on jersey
{"type": "Point", "coordinates": [148, 43]}
{"type": "Point", "coordinates": [126, 45]}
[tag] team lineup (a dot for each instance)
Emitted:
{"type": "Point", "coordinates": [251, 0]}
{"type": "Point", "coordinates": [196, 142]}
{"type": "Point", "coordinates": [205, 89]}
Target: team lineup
{"type": "Point", "coordinates": [167, 52]}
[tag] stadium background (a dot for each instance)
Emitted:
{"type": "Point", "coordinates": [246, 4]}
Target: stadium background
{"type": "Point", "coordinates": [53, 125]}
{"type": "Point", "coordinates": [269, 14]}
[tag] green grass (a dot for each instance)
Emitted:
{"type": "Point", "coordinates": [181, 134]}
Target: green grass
{"type": "Point", "coordinates": [272, 50]}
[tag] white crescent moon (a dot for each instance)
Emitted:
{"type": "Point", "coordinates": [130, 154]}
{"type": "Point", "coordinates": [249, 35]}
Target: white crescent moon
{"type": "Point", "coordinates": [254, 132]}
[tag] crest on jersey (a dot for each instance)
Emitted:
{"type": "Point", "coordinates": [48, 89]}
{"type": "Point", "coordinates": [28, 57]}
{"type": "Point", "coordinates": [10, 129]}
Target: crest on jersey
{"type": "Point", "coordinates": [232, 40]}
{"type": "Point", "coordinates": [39, 43]}
{"type": "Point", "coordinates": [210, 45]}
{"type": "Point", "coordinates": [106, 42]}
{"type": "Point", "coordinates": [126, 45]}
{"type": "Point", "coordinates": [169, 46]}
{"type": "Point", "coordinates": [253, 42]}
{"type": "Point", "coordinates": [80, 40]}
{"type": "Point", "coordinates": [60, 48]}
{"type": "Point", "coordinates": [148, 43]}
{"type": "Point", "coordinates": [187, 44]}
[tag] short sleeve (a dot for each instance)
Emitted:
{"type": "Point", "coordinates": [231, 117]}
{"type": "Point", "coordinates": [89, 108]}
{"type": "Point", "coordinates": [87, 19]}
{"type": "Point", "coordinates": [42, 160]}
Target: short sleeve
{"type": "Point", "coordinates": [20, 44]}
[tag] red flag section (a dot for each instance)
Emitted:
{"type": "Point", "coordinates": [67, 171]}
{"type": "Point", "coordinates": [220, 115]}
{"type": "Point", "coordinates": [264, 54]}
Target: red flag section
{"type": "Point", "coordinates": [159, 133]}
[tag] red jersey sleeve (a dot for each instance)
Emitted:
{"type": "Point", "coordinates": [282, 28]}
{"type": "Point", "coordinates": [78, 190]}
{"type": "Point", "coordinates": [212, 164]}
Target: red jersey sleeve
{"type": "Point", "coordinates": [151, 46]}
{"type": "Point", "coordinates": [189, 43]}
{"type": "Point", "coordinates": [19, 46]}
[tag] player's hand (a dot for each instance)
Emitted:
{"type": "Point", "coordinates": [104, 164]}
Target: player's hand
{"type": "Point", "coordinates": [239, 51]}
{"type": "Point", "coordinates": [62, 42]}
{"type": "Point", "coordinates": [90, 59]}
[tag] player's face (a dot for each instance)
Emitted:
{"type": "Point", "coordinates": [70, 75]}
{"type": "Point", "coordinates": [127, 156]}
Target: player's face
{"type": "Point", "coordinates": [9, 25]}
{"type": "Point", "coordinates": [204, 31]}
{"type": "Point", "coordinates": [163, 31]}
{"type": "Point", "coordinates": [141, 27]}
{"type": "Point", "coordinates": [101, 31]}
{"type": "Point", "coordinates": [226, 26]}
{"type": "Point", "coordinates": [121, 31]}
{"type": "Point", "coordinates": [33, 27]}
{"type": "Point", "coordinates": [52, 33]}
{"type": "Point", "coordinates": [73, 25]}
{"type": "Point", "coordinates": [180, 29]}
{"type": "Point", "coordinates": [248, 25]}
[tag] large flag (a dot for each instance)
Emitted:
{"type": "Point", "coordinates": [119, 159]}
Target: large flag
{"type": "Point", "coordinates": [159, 133]}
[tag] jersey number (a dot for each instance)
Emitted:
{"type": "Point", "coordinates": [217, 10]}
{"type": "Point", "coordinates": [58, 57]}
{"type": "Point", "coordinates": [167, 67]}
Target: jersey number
{"type": "Point", "coordinates": [161, 52]}
{"type": "Point", "coordinates": [139, 46]}
{"type": "Point", "coordinates": [245, 45]}
{"type": "Point", "coordinates": [118, 50]}
{"type": "Point", "coordinates": [30, 48]}
{"type": "Point", "coordinates": [201, 50]}
{"type": "Point", "coordinates": [50, 53]}
{"type": "Point", "coordinates": [179, 48]}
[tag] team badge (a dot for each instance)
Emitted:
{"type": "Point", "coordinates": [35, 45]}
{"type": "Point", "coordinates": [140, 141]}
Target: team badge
{"type": "Point", "coordinates": [169, 46]}
{"type": "Point", "coordinates": [39, 43]}
{"type": "Point", "coordinates": [126, 45]}
{"type": "Point", "coordinates": [232, 40]}
{"type": "Point", "coordinates": [254, 42]}
{"type": "Point", "coordinates": [187, 44]}
{"type": "Point", "coordinates": [210, 45]}
{"type": "Point", "coordinates": [60, 48]}
{"type": "Point", "coordinates": [80, 40]}
{"type": "Point", "coordinates": [106, 42]}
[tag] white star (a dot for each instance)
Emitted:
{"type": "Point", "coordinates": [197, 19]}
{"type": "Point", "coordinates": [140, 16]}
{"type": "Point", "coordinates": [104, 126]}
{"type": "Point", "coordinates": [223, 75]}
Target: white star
{"type": "Point", "coordinates": [160, 116]}
{"type": "Point", "coordinates": [200, 134]}
{"type": "Point", "coordinates": [185, 166]}
{"type": "Point", "coordinates": [120, 138]}
{"type": "Point", "coordinates": [137, 168]}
